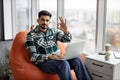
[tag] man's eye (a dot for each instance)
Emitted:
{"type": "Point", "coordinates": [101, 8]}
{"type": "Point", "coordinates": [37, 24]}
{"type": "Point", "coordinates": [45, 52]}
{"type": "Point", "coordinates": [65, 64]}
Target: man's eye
{"type": "Point", "coordinates": [47, 20]}
{"type": "Point", "coordinates": [42, 20]}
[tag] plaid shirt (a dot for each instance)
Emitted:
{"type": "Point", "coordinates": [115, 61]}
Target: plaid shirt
{"type": "Point", "coordinates": [42, 44]}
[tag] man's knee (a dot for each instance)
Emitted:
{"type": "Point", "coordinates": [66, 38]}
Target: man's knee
{"type": "Point", "coordinates": [63, 64]}
{"type": "Point", "coordinates": [76, 61]}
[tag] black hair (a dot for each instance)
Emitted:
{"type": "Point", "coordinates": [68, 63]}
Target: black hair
{"type": "Point", "coordinates": [44, 12]}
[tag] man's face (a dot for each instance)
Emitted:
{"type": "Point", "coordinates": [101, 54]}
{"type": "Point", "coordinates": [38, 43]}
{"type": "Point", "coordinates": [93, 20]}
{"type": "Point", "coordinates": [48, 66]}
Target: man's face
{"type": "Point", "coordinates": [44, 22]}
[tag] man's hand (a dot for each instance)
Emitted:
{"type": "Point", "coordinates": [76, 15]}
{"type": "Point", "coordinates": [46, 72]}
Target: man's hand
{"type": "Point", "coordinates": [56, 57]}
{"type": "Point", "coordinates": [62, 25]}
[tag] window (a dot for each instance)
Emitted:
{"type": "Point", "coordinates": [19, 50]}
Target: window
{"type": "Point", "coordinates": [81, 20]}
{"type": "Point", "coordinates": [23, 13]}
{"type": "Point", "coordinates": [51, 6]}
{"type": "Point", "coordinates": [113, 24]}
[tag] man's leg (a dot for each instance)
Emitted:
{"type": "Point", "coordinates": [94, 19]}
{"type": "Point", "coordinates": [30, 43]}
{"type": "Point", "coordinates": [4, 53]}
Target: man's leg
{"type": "Point", "coordinates": [61, 67]}
{"type": "Point", "coordinates": [79, 68]}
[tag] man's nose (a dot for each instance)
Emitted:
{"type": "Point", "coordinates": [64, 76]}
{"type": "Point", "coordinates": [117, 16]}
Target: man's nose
{"type": "Point", "coordinates": [45, 22]}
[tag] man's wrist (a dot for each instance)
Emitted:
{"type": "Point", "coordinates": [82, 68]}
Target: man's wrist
{"type": "Point", "coordinates": [48, 56]}
{"type": "Point", "coordinates": [66, 32]}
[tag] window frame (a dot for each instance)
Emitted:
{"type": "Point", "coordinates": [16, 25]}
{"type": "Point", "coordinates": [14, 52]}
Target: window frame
{"type": "Point", "coordinates": [100, 24]}
{"type": "Point", "coordinates": [9, 19]}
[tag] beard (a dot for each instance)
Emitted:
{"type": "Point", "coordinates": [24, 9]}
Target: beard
{"type": "Point", "coordinates": [44, 27]}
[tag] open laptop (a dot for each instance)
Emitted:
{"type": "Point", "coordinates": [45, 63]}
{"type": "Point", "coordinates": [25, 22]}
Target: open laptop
{"type": "Point", "coordinates": [117, 55]}
{"type": "Point", "coordinates": [74, 50]}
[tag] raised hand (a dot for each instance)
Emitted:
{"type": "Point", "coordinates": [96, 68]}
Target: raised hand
{"type": "Point", "coordinates": [62, 25]}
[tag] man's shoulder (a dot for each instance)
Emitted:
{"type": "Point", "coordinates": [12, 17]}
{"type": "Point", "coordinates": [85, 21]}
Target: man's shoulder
{"type": "Point", "coordinates": [34, 30]}
{"type": "Point", "coordinates": [31, 32]}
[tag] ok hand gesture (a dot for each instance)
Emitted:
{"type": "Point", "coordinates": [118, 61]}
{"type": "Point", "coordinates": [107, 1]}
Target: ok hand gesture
{"type": "Point", "coordinates": [62, 25]}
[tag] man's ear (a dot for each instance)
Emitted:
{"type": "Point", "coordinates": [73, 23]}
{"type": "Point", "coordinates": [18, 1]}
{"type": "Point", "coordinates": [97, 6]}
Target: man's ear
{"type": "Point", "coordinates": [38, 20]}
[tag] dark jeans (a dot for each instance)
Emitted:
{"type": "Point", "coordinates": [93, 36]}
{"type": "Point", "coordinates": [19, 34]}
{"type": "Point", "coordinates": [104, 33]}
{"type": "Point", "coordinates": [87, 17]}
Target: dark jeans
{"type": "Point", "coordinates": [63, 67]}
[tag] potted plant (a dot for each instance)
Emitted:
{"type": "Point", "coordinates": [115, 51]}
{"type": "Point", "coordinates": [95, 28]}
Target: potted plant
{"type": "Point", "coordinates": [4, 64]}
{"type": "Point", "coordinates": [107, 56]}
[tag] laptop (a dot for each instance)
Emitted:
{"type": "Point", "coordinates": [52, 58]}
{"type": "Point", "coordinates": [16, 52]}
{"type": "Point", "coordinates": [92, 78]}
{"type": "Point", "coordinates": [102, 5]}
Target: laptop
{"type": "Point", "coordinates": [117, 55]}
{"type": "Point", "coordinates": [74, 50]}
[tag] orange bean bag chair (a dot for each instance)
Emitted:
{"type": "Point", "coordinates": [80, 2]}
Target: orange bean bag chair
{"type": "Point", "coordinates": [20, 63]}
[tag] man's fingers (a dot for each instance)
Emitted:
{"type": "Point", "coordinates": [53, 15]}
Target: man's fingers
{"type": "Point", "coordinates": [61, 19]}
{"type": "Point", "coordinates": [58, 26]}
